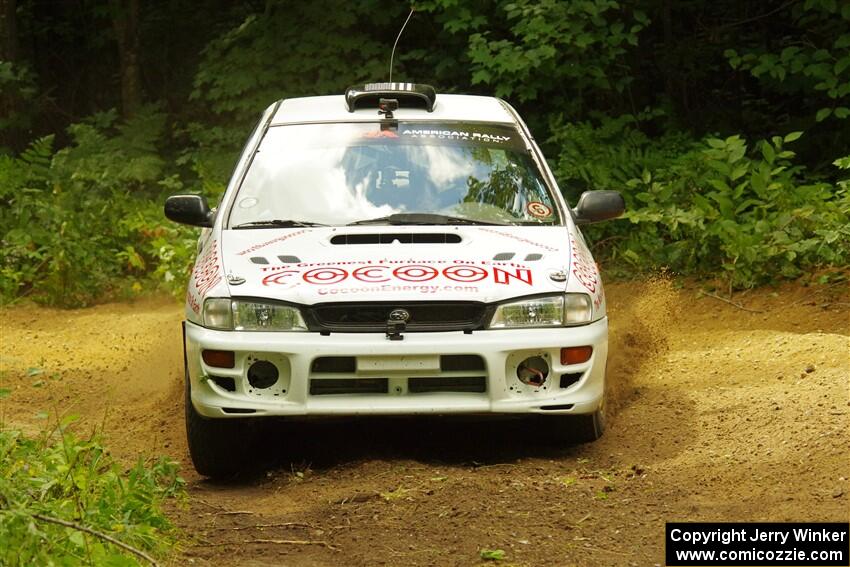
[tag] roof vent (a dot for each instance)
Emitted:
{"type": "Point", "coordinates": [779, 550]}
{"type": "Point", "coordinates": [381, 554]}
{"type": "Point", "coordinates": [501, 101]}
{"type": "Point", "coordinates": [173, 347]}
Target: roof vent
{"type": "Point", "coordinates": [408, 95]}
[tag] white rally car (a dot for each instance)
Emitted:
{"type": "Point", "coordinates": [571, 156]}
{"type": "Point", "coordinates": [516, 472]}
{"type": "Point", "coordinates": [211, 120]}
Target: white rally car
{"type": "Point", "coordinates": [388, 252]}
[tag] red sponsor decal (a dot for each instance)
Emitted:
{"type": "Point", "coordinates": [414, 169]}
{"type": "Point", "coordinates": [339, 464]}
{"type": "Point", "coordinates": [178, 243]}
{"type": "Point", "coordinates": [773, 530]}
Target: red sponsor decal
{"type": "Point", "coordinates": [585, 271]}
{"type": "Point", "coordinates": [256, 247]}
{"type": "Point", "coordinates": [415, 273]}
{"type": "Point", "coordinates": [539, 210]}
{"type": "Point", "coordinates": [381, 134]}
{"type": "Point", "coordinates": [465, 273]}
{"type": "Point", "coordinates": [192, 302]}
{"type": "Point", "coordinates": [419, 272]}
{"type": "Point", "coordinates": [285, 277]}
{"type": "Point", "coordinates": [371, 274]}
{"type": "Point", "coordinates": [325, 276]}
{"type": "Point", "coordinates": [503, 276]}
{"type": "Point", "coordinates": [207, 272]}
{"type": "Point", "coordinates": [518, 239]}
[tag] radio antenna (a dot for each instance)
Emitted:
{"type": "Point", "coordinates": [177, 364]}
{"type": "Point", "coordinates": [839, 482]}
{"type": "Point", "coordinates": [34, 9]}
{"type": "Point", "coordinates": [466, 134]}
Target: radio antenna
{"type": "Point", "coordinates": [401, 31]}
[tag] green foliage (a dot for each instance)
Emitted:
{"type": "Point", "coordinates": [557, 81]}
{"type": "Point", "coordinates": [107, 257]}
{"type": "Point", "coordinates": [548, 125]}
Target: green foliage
{"type": "Point", "coordinates": [492, 554]}
{"type": "Point", "coordinates": [608, 155]}
{"type": "Point", "coordinates": [721, 207]}
{"type": "Point", "coordinates": [843, 163]}
{"type": "Point", "coordinates": [817, 63]}
{"type": "Point", "coordinates": [61, 476]}
{"type": "Point", "coordinates": [80, 214]}
{"type": "Point", "coordinates": [161, 250]}
{"type": "Point", "coordinates": [531, 49]}
{"type": "Point", "coordinates": [267, 57]}
{"type": "Point", "coordinates": [574, 45]}
{"type": "Point", "coordinates": [211, 153]}
{"type": "Point", "coordinates": [17, 89]}
{"type": "Point", "coordinates": [292, 51]}
{"type": "Point", "coordinates": [86, 219]}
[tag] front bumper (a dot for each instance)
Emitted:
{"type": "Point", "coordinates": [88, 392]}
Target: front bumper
{"type": "Point", "coordinates": [417, 355]}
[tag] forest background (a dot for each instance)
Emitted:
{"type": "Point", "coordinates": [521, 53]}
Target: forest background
{"type": "Point", "coordinates": [726, 124]}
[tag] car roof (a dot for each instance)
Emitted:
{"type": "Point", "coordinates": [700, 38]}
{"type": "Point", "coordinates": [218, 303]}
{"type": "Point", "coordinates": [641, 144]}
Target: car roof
{"type": "Point", "coordinates": [448, 107]}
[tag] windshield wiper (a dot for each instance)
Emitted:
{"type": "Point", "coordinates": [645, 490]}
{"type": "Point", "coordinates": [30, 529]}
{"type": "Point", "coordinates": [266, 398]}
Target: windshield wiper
{"type": "Point", "coordinates": [423, 219]}
{"type": "Point", "coordinates": [275, 223]}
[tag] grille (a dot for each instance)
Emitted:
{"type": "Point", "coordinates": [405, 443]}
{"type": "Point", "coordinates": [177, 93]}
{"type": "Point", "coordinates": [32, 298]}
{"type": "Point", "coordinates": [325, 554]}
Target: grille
{"type": "Point", "coordinates": [334, 364]}
{"type": "Point", "coordinates": [467, 384]}
{"type": "Point", "coordinates": [328, 386]}
{"type": "Point", "coordinates": [461, 362]}
{"type": "Point", "coordinates": [459, 373]}
{"type": "Point", "coordinates": [373, 317]}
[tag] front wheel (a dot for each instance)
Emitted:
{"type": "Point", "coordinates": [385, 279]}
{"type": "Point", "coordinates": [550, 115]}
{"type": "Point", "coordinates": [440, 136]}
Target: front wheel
{"type": "Point", "coordinates": [590, 427]}
{"type": "Point", "coordinates": [219, 447]}
{"type": "Point", "coordinates": [575, 429]}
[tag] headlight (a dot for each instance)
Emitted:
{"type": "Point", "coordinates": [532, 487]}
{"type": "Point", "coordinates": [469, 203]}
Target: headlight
{"type": "Point", "coordinates": [578, 309]}
{"type": "Point", "coordinates": [242, 315]}
{"type": "Point", "coordinates": [250, 316]}
{"type": "Point", "coordinates": [551, 311]}
{"type": "Point", "coordinates": [218, 314]}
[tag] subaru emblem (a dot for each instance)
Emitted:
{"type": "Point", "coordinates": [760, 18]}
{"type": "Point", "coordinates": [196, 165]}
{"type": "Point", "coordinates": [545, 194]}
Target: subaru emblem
{"type": "Point", "coordinates": [399, 315]}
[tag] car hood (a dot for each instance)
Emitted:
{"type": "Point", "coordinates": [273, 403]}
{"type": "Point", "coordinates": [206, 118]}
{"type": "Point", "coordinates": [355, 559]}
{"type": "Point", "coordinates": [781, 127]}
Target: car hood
{"type": "Point", "coordinates": [393, 263]}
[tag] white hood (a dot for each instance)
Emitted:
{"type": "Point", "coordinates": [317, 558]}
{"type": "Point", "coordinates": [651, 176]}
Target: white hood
{"type": "Point", "coordinates": [315, 265]}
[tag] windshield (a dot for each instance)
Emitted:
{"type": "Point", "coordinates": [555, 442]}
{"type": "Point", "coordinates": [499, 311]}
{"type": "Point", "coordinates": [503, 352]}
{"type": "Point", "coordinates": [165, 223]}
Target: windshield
{"type": "Point", "coordinates": [337, 174]}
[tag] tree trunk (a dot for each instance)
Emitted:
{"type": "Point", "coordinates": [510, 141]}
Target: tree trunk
{"type": "Point", "coordinates": [8, 31]}
{"type": "Point", "coordinates": [125, 14]}
{"type": "Point", "coordinates": [9, 132]}
{"type": "Point", "coordinates": [669, 80]}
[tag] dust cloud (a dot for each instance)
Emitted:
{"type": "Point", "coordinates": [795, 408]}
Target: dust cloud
{"type": "Point", "coordinates": [642, 317]}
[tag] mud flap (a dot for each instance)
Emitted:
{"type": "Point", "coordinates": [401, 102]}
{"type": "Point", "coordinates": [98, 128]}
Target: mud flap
{"type": "Point", "coordinates": [185, 356]}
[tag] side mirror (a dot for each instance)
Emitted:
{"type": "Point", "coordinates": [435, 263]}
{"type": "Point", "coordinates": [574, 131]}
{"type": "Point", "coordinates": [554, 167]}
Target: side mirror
{"type": "Point", "coordinates": [596, 206]}
{"type": "Point", "coordinates": [189, 209]}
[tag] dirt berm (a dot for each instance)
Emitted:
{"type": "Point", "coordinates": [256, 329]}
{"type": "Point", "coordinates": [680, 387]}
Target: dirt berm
{"type": "Point", "coordinates": [721, 414]}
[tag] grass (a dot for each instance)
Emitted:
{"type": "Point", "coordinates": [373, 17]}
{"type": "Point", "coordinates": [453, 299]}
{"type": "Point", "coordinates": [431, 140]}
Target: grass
{"type": "Point", "coordinates": [65, 501]}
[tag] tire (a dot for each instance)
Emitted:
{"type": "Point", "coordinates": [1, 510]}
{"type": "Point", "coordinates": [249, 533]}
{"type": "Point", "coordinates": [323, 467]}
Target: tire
{"type": "Point", "coordinates": [218, 447]}
{"type": "Point", "coordinates": [582, 428]}
{"type": "Point", "coordinates": [588, 428]}
{"type": "Point", "coordinates": [575, 429]}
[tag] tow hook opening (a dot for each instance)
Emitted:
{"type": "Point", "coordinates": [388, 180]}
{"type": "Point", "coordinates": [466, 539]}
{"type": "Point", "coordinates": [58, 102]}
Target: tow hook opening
{"type": "Point", "coordinates": [395, 330]}
{"type": "Point", "coordinates": [533, 371]}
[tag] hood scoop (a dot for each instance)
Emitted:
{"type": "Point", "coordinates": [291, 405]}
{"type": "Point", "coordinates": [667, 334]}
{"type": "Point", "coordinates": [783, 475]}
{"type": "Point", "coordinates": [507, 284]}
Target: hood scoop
{"type": "Point", "coordinates": [397, 238]}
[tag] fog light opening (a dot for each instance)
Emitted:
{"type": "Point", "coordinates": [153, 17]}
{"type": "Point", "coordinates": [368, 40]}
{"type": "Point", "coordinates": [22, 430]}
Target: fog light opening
{"type": "Point", "coordinates": [533, 371]}
{"type": "Point", "coordinates": [262, 374]}
{"type": "Point", "coordinates": [576, 355]}
{"type": "Point", "coordinates": [219, 358]}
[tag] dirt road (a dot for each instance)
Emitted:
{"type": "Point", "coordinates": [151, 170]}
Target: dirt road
{"type": "Point", "coordinates": [721, 414]}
